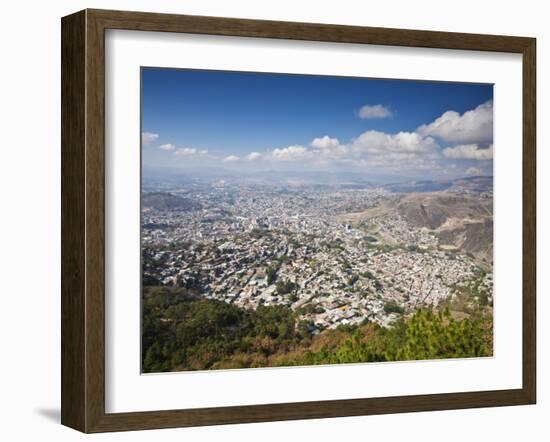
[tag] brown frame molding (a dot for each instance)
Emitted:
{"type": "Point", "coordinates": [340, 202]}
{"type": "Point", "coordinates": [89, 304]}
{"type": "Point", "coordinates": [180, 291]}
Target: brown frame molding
{"type": "Point", "coordinates": [83, 217]}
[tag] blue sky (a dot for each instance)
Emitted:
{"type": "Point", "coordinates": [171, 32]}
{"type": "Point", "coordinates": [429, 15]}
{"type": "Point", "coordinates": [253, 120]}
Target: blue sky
{"type": "Point", "coordinates": [236, 120]}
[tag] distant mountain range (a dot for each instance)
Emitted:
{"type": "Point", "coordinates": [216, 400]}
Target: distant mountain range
{"type": "Point", "coordinates": [463, 222]}
{"type": "Point", "coordinates": [471, 184]}
{"type": "Point", "coordinates": [304, 177]}
{"type": "Point", "coordinates": [168, 177]}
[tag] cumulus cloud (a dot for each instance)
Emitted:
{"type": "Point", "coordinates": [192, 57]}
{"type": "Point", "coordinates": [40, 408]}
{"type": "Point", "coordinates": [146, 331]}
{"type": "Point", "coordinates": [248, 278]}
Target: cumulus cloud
{"type": "Point", "coordinates": [167, 146]}
{"type": "Point", "coordinates": [231, 159]}
{"type": "Point", "coordinates": [327, 149]}
{"type": "Point", "coordinates": [472, 127]}
{"type": "Point", "coordinates": [473, 171]}
{"type": "Point", "coordinates": [190, 152]}
{"type": "Point", "coordinates": [371, 149]}
{"type": "Point", "coordinates": [378, 143]}
{"type": "Point", "coordinates": [291, 153]}
{"type": "Point", "coordinates": [185, 151]}
{"type": "Point", "coordinates": [148, 138]}
{"type": "Point", "coordinates": [369, 112]}
{"type": "Point", "coordinates": [405, 152]}
{"type": "Point", "coordinates": [400, 151]}
{"type": "Point", "coordinates": [252, 156]}
{"type": "Point", "coordinates": [469, 152]}
{"type": "Point", "coordinates": [325, 142]}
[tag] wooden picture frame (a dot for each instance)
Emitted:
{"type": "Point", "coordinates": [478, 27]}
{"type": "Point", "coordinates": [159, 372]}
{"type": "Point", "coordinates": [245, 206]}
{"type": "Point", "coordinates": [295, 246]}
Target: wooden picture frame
{"type": "Point", "coordinates": [83, 220]}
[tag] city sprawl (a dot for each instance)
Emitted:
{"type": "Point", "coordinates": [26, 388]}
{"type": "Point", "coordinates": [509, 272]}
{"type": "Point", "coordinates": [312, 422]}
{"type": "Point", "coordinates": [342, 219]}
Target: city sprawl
{"type": "Point", "coordinates": [336, 255]}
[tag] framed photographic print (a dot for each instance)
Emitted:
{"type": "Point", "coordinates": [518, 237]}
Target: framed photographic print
{"type": "Point", "coordinates": [267, 221]}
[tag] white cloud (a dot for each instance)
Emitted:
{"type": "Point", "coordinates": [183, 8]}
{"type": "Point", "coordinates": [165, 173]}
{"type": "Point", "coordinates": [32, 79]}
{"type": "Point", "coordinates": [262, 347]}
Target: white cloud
{"type": "Point", "coordinates": [371, 149]}
{"type": "Point", "coordinates": [400, 151]}
{"type": "Point", "coordinates": [252, 156]}
{"type": "Point", "coordinates": [375, 143]}
{"type": "Point", "coordinates": [403, 151]}
{"type": "Point", "coordinates": [327, 149]}
{"type": "Point", "coordinates": [167, 146]}
{"type": "Point", "coordinates": [185, 151]}
{"type": "Point", "coordinates": [473, 171]}
{"type": "Point", "coordinates": [415, 152]}
{"type": "Point", "coordinates": [325, 142]}
{"type": "Point", "coordinates": [291, 153]}
{"type": "Point", "coordinates": [469, 152]}
{"type": "Point", "coordinates": [148, 138]}
{"type": "Point", "coordinates": [472, 127]}
{"type": "Point", "coordinates": [191, 152]}
{"type": "Point", "coordinates": [368, 112]}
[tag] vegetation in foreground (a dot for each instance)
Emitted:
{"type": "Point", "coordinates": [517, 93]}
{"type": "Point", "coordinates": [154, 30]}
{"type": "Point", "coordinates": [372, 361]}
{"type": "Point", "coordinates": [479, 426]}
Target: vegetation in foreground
{"type": "Point", "coordinates": [181, 331]}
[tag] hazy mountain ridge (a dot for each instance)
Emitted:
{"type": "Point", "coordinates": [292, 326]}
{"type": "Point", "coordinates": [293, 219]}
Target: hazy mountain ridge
{"type": "Point", "coordinates": [460, 221]}
{"type": "Point", "coordinates": [473, 237]}
{"type": "Point", "coordinates": [433, 210]}
{"type": "Point", "coordinates": [475, 184]}
{"type": "Point", "coordinates": [169, 178]}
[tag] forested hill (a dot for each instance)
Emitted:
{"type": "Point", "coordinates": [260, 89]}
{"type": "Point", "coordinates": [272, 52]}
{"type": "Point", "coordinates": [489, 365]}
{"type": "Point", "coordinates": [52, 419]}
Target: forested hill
{"type": "Point", "coordinates": [183, 332]}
